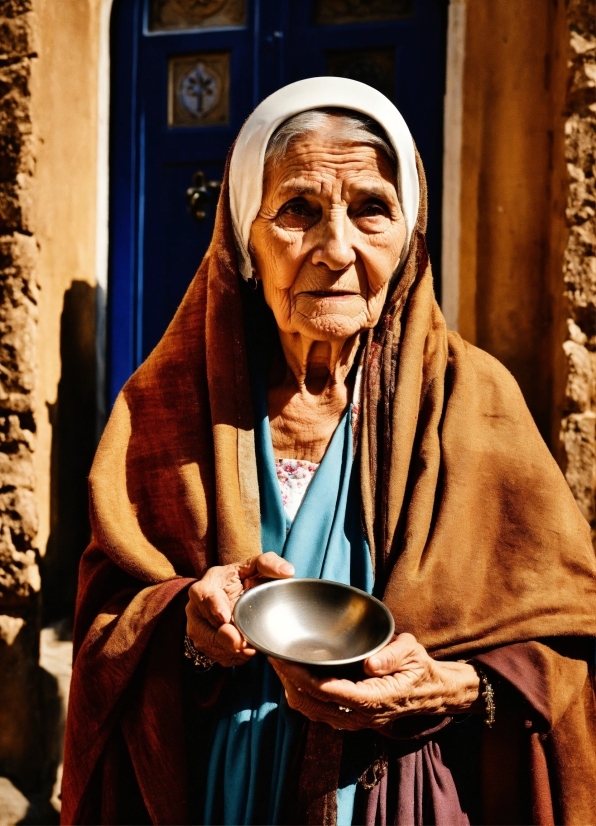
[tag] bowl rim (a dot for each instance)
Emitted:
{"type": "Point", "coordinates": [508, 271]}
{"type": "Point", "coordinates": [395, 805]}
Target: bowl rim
{"type": "Point", "coordinates": [276, 583]}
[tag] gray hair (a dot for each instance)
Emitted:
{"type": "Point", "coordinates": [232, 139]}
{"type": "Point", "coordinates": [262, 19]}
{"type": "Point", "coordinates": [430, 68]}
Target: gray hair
{"type": "Point", "coordinates": [354, 127]}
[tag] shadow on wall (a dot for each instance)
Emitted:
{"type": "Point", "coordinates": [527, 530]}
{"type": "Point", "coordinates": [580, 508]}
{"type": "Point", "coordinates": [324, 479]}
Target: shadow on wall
{"type": "Point", "coordinates": [31, 725]}
{"type": "Point", "coordinates": [35, 651]}
{"type": "Point", "coordinates": [73, 420]}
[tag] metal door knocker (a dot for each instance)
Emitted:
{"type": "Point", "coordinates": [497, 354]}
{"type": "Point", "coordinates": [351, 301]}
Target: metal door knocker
{"type": "Point", "coordinates": [200, 194]}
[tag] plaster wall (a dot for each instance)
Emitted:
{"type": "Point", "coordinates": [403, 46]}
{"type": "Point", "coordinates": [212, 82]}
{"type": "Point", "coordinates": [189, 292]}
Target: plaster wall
{"type": "Point", "coordinates": [64, 111]}
{"type": "Point", "coordinates": [526, 228]}
{"type": "Point", "coordinates": [511, 77]}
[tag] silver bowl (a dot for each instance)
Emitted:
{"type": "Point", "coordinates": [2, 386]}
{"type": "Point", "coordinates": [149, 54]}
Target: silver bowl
{"type": "Point", "coordinates": [313, 621]}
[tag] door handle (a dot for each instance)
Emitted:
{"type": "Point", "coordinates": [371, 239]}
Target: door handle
{"type": "Point", "coordinates": [200, 194]}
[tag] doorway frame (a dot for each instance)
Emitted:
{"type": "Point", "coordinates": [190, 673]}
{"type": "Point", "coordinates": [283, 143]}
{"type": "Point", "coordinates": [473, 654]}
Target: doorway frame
{"type": "Point", "coordinates": [450, 209]}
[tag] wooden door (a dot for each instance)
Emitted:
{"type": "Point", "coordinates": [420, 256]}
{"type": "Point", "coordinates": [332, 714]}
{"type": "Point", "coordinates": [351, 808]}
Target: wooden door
{"type": "Point", "coordinates": [185, 76]}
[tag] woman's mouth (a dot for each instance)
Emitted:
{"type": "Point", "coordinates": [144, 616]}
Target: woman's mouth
{"type": "Point", "coordinates": [333, 294]}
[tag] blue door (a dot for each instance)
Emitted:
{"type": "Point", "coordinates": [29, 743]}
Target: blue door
{"type": "Point", "coordinates": [185, 75]}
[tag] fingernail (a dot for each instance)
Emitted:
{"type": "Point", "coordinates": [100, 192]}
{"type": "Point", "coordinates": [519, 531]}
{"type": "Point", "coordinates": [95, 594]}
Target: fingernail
{"type": "Point", "coordinates": [374, 663]}
{"type": "Point", "coordinates": [286, 568]}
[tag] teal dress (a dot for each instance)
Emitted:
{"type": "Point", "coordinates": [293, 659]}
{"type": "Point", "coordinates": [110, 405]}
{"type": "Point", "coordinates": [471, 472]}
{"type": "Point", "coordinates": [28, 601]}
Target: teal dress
{"type": "Point", "coordinates": [257, 732]}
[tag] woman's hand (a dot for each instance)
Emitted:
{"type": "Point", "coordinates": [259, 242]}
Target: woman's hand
{"type": "Point", "coordinates": [211, 601]}
{"type": "Point", "coordinates": [403, 680]}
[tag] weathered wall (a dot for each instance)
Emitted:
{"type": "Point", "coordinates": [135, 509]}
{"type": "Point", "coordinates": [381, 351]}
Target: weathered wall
{"type": "Point", "coordinates": [507, 224]}
{"type": "Point", "coordinates": [48, 128]}
{"type": "Point", "coordinates": [578, 425]}
{"type": "Point", "coordinates": [20, 754]}
{"type": "Point", "coordinates": [64, 111]}
{"type": "Point", "coordinates": [527, 257]}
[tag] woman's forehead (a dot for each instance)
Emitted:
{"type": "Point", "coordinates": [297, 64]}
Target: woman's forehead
{"type": "Point", "coordinates": [249, 154]}
{"type": "Point", "coordinates": [314, 161]}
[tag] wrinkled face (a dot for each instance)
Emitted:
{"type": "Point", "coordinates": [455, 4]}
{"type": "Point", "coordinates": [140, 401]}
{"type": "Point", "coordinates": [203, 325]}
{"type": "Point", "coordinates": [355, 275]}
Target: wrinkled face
{"type": "Point", "coordinates": [328, 236]}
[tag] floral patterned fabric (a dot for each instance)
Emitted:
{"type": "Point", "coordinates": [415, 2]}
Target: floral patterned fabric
{"type": "Point", "coordinates": [294, 477]}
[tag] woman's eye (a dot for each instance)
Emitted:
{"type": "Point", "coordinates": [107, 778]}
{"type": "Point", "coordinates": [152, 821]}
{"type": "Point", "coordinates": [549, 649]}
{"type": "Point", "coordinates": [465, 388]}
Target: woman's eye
{"type": "Point", "coordinates": [372, 209]}
{"type": "Point", "coordinates": [297, 214]}
{"type": "Point", "coordinates": [300, 209]}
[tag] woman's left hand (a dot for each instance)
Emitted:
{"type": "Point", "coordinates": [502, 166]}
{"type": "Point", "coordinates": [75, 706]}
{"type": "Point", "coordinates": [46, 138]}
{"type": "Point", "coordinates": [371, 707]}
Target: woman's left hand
{"type": "Point", "coordinates": [403, 680]}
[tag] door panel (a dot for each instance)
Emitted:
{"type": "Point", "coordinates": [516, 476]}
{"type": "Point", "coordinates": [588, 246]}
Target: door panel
{"type": "Point", "coordinates": [199, 89]}
{"type": "Point", "coordinates": [166, 15]}
{"type": "Point", "coordinates": [340, 12]}
{"type": "Point", "coordinates": [186, 74]}
{"type": "Point", "coordinates": [403, 57]}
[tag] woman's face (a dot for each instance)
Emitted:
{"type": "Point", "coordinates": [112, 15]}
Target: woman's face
{"type": "Point", "coordinates": [328, 236]}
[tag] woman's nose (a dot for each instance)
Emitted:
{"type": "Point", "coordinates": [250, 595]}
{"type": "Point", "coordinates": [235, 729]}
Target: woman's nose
{"type": "Point", "coordinates": [335, 248]}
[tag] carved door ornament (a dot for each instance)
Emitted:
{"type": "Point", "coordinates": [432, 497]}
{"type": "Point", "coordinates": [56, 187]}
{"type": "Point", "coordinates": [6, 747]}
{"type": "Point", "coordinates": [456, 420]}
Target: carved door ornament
{"type": "Point", "coordinates": [196, 14]}
{"type": "Point", "coordinates": [375, 67]}
{"type": "Point", "coordinates": [199, 90]}
{"type": "Point", "coordinates": [338, 12]}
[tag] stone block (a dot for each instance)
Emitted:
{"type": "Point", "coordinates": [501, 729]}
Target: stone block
{"type": "Point", "coordinates": [19, 573]}
{"type": "Point", "coordinates": [18, 253]}
{"type": "Point", "coordinates": [15, 92]}
{"type": "Point", "coordinates": [581, 382]}
{"type": "Point", "coordinates": [16, 144]}
{"type": "Point", "coordinates": [578, 434]}
{"type": "Point", "coordinates": [10, 207]}
{"type": "Point", "coordinates": [18, 510]}
{"type": "Point", "coordinates": [581, 17]}
{"type": "Point", "coordinates": [16, 468]}
{"type": "Point", "coordinates": [12, 8]}
{"type": "Point", "coordinates": [18, 36]}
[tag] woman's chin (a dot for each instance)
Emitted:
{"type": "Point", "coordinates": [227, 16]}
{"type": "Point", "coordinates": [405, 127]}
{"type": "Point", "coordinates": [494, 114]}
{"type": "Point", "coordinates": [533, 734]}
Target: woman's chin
{"type": "Point", "coordinates": [330, 327]}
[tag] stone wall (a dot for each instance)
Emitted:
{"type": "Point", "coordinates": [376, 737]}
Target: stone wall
{"type": "Point", "coordinates": [48, 179]}
{"type": "Point", "coordinates": [578, 426]}
{"type": "Point", "coordinates": [20, 754]}
{"type": "Point", "coordinates": [18, 308]}
{"type": "Point", "coordinates": [19, 579]}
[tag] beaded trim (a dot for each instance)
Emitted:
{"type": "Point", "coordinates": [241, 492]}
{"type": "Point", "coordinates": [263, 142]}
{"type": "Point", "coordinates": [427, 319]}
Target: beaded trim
{"type": "Point", "coordinates": [201, 661]}
{"type": "Point", "coordinates": [373, 775]}
{"type": "Point", "coordinates": [488, 694]}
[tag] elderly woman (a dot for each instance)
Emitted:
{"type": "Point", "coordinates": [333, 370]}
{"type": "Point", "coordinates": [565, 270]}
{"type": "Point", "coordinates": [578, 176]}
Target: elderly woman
{"type": "Point", "coordinates": [308, 414]}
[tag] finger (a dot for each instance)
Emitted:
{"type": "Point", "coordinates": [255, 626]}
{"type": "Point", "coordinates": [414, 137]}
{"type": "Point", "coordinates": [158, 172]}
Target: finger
{"type": "Point", "coordinates": [326, 690]}
{"type": "Point", "coordinates": [224, 577]}
{"type": "Point", "coordinates": [294, 674]}
{"type": "Point", "coordinates": [218, 576]}
{"type": "Point", "coordinates": [252, 582]}
{"type": "Point", "coordinates": [320, 712]}
{"type": "Point", "coordinates": [216, 608]}
{"type": "Point", "coordinates": [394, 657]}
{"type": "Point", "coordinates": [327, 699]}
{"type": "Point", "coordinates": [231, 641]}
{"type": "Point", "coordinates": [274, 567]}
{"type": "Point", "coordinates": [268, 565]}
{"type": "Point", "coordinates": [213, 606]}
{"type": "Point", "coordinates": [205, 640]}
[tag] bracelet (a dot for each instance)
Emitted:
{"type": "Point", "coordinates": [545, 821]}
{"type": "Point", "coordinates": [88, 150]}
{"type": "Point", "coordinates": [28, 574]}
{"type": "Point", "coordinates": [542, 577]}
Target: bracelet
{"type": "Point", "coordinates": [488, 694]}
{"type": "Point", "coordinates": [201, 661]}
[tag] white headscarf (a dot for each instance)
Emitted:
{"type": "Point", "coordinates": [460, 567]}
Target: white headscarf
{"type": "Point", "coordinates": [248, 158]}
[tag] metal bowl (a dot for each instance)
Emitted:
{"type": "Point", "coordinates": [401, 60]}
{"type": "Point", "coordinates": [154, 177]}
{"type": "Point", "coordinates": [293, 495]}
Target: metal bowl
{"type": "Point", "coordinates": [313, 621]}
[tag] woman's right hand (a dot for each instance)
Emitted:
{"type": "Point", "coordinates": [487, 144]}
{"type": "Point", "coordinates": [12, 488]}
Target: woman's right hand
{"type": "Point", "coordinates": [211, 601]}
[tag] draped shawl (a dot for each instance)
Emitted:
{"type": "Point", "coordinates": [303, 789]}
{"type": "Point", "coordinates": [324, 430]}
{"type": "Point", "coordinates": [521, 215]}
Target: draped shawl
{"type": "Point", "coordinates": [476, 539]}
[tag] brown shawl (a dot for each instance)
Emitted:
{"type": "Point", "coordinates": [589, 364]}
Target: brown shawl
{"type": "Point", "coordinates": [476, 538]}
